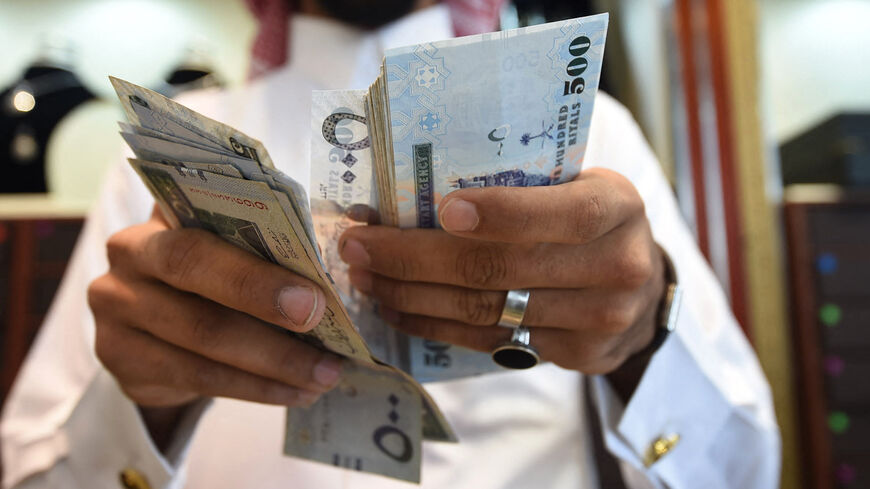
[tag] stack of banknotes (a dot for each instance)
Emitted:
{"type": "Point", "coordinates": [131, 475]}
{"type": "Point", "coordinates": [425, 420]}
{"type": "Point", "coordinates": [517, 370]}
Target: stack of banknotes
{"type": "Point", "coordinates": [509, 108]}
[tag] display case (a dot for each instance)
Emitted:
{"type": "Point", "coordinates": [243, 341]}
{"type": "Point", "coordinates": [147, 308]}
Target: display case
{"type": "Point", "coordinates": [37, 236]}
{"type": "Point", "coordinates": [828, 231]}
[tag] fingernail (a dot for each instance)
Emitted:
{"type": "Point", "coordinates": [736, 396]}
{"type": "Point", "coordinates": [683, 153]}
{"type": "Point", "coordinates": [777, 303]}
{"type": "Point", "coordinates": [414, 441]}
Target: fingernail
{"type": "Point", "coordinates": [327, 371]}
{"type": "Point", "coordinates": [354, 253]}
{"type": "Point", "coordinates": [297, 304]}
{"type": "Point", "coordinates": [307, 398]}
{"type": "Point", "coordinates": [391, 316]}
{"type": "Point", "coordinates": [361, 279]}
{"type": "Point", "coordinates": [459, 215]}
{"type": "Point", "coordinates": [359, 212]}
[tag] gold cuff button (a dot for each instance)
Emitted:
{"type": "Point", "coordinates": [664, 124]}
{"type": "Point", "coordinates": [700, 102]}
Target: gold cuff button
{"type": "Point", "coordinates": [133, 479]}
{"type": "Point", "coordinates": [660, 448]}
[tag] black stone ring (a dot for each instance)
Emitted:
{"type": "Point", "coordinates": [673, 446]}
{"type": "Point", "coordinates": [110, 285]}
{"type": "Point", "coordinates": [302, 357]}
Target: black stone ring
{"type": "Point", "coordinates": [517, 353]}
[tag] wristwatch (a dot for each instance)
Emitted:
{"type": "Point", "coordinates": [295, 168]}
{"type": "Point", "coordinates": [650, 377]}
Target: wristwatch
{"type": "Point", "coordinates": [669, 308]}
{"type": "Point", "coordinates": [626, 378]}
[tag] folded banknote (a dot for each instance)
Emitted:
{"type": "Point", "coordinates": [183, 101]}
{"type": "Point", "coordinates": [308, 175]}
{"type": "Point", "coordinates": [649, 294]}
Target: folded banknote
{"type": "Point", "coordinates": [206, 175]}
{"type": "Point", "coordinates": [508, 108]}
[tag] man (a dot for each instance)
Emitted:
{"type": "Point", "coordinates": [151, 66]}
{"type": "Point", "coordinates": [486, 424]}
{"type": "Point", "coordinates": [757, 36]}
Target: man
{"type": "Point", "coordinates": [149, 389]}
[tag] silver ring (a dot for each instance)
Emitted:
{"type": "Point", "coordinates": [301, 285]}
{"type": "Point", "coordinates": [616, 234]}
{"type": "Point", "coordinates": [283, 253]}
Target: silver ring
{"type": "Point", "coordinates": [517, 353]}
{"type": "Point", "coordinates": [514, 308]}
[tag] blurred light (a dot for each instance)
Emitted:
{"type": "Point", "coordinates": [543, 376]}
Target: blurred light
{"type": "Point", "coordinates": [24, 148]}
{"type": "Point", "coordinates": [846, 473]}
{"type": "Point", "coordinates": [835, 365]}
{"type": "Point", "coordinates": [830, 314]}
{"type": "Point", "coordinates": [826, 263]}
{"type": "Point", "coordinates": [23, 101]}
{"type": "Point", "coordinates": [839, 422]}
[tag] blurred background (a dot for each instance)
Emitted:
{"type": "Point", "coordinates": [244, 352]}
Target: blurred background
{"type": "Point", "coordinates": [759, 111]}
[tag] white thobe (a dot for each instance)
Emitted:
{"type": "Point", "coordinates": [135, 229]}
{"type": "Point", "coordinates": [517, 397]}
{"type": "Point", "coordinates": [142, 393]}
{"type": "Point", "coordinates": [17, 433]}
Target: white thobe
{"type": "Point", "coordinates": [67, 424]}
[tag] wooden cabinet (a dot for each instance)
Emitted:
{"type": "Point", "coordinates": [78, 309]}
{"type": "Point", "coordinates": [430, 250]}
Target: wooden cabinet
{"type": "Point", "coordinates": [33, 257]}
{"type": "Point", "coordinates": [829, 257]}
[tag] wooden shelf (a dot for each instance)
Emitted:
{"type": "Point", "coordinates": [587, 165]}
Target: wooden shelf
{"type": "Point", "coordinates": [40, 206]}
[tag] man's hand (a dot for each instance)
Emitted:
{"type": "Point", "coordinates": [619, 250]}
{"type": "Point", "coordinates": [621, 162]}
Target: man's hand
{"type": "Point", "coordinates": [584, 249]}
{"type": "Point", "coordinates": [181, 315]}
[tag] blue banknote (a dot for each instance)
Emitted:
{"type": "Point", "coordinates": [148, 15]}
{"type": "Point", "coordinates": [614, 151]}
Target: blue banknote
{"type": "Point", "coordinates": [508, 108]}
{"type": "Point", "coordinates": [342, 194]}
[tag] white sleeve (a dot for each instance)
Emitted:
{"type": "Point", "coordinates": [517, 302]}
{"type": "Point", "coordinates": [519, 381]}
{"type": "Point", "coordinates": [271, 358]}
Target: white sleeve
{"type": "Point", "coordinates": [705, 384]}
{"type": "Point", "coordinates": [66, 422]}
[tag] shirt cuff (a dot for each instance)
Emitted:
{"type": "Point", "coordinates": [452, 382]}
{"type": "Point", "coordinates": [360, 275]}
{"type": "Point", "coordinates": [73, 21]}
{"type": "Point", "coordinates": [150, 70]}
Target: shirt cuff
{"type": "Point", "coordinates": [673, 399]}
{"type": "Point", "coordinates": [106, 436]}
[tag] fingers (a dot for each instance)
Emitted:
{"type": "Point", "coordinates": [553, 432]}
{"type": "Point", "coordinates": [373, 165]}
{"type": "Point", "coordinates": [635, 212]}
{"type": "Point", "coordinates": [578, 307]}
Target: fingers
{"type": "Point", "coordinates": [605, 310]}
{"type": "Point", "coordinates": [576, 212]}
{"type": "Point", "coordinates": [201, 263]}
{"type": "Point", "coordinates": [226, 336]}
{"type": "Point", "coordinates": [181, 315]}
{"type": "Point", "coordinates": [163, 374]}
{"type": "Point", "coordinates": [478, 307]}
{"type": "Point", "coordinates": [622, 258]}
{"type": "Point", "coordinates": [363, 214]}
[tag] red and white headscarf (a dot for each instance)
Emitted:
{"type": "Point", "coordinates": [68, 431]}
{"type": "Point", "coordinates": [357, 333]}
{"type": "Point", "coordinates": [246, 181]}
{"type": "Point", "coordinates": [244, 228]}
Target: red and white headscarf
{"type": "Point", "coordinates": [270, 46]}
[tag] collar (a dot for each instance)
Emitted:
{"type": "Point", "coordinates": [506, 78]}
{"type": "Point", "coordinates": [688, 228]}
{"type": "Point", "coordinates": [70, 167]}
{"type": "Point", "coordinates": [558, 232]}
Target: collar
{"type": "Point", "coordinates": [335, 55]}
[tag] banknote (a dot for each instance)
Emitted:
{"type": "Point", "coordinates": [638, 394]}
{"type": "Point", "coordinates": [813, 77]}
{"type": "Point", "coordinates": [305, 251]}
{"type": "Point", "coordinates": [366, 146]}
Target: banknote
{"type": "Point", "coordinates": [508, 108]}
{"type": "Point", "coordinates": [341, 185]}
{"type": "Point", "coordinates": [248, 214]}
{"type": "Point", "coordinates": [420, 153]}
{"type": "Point", "coordinates": [131, 129]}
{"type": "Point", "coordinates": [344, 194]}
{"type": "Point", "coordinates": [244, 213]}
{"type": "Point", "coordinates": [166, 116]}
{"type": "Point", "coordinates": [226, 170]}
{"type": "Point", "coordinates": [298, 198]}
{"type": "Point", "coordinates": [342, 191]}
{"type": "Point", "coordinates": [200, 185]}
{"type": "Point", "coordinates": [384, 438]}
{"type": "Point", "coordinates": [151, 148]}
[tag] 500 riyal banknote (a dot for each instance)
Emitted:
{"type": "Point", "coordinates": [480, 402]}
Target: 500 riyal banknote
{"type": "Point", "coordinates": [508, 108]}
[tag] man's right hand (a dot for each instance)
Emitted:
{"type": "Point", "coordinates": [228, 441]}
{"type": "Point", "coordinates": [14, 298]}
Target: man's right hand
{"type": "Point", "coordinates": [182, 315]}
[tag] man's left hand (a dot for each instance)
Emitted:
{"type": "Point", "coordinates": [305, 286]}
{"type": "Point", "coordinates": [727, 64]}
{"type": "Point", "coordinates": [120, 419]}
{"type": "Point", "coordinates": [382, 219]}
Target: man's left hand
{"type": "Point", "coordinates": [584, 249]}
